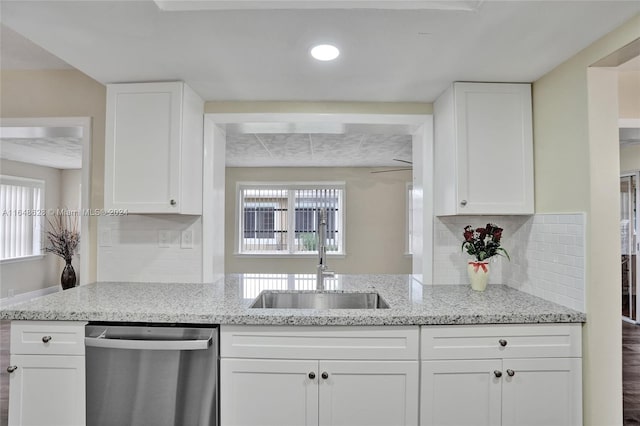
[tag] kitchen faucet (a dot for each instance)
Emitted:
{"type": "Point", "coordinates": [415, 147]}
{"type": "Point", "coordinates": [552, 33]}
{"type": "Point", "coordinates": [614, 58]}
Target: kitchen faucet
{"type": "Point", "coordinates": [322, 250]}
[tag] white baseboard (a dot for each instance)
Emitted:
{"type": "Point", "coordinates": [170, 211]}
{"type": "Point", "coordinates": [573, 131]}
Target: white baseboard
{"type": "Point", "coordinates": [23, 297]}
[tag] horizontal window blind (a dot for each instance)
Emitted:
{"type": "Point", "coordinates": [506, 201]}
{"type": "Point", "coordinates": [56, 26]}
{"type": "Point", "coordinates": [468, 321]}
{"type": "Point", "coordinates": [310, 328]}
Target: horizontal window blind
{"type": "Point", "coordinates": [21, 208]}
{"type": "Point", "coordinates": [283, 218]}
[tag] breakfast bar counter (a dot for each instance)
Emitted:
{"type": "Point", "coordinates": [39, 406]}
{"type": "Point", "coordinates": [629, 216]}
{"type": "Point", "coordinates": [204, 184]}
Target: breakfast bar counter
{"type": "Point", "coordinates": [228, 301]}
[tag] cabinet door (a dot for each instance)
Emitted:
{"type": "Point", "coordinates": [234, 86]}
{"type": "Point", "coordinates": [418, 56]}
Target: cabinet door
{"type": "Point", "coordinates": [368, 393]}
{"type": "Point", "coordinates": [268, 392]}
{"type": "Point", "coordinates": [142, 147]}
{"type": "Point", "coordinates": [460, 393]}
{"type": "Point", "coordinates": [493, 130]}
{"type": "Point", "coordinates": [47, 390]}
{"type": "Point", "coordinates": [542, 391]}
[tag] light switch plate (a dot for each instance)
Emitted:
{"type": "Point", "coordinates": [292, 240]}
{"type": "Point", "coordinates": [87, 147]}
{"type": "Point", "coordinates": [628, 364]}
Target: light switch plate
{"type": "Point", "coordinates": [186, 239]}
{"type": "Point", "coordinates": [105, 237]}
{"type": "Point", "coordinates": [164, 238]}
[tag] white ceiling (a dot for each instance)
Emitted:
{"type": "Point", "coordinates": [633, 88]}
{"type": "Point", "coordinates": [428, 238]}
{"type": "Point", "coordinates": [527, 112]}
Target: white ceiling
{"type": "Point", "coordinates": [57, 147]}
{"type": "Point", "coordinates": [387, 55]}
{"type": "Point", "coordinates": [317, 150]}
{"type": "Point", "coordinates": [19, 53]}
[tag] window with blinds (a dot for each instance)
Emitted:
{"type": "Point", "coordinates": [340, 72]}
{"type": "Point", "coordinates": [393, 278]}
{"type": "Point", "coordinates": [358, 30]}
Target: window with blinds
{"type": "Point", "coordinates": [283, 218]}
{"type": "Point", "coordinates": [21, 214]}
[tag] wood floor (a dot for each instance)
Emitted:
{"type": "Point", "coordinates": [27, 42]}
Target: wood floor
{"type": "Point", "coordinates": [630, 371]}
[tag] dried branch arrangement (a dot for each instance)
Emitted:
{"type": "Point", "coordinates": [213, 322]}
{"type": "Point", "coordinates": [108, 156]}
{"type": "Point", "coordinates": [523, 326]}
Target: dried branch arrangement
{"type": "Point", "coordinates": [62, 236]}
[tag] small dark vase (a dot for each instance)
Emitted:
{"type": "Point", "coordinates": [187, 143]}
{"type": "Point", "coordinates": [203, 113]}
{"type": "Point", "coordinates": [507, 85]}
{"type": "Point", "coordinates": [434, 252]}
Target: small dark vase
{"type": "Point", "coordinates": [68, 278]}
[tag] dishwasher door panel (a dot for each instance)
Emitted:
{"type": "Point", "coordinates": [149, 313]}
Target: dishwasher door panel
{"type": "Point", "coordinates": [142, 387]}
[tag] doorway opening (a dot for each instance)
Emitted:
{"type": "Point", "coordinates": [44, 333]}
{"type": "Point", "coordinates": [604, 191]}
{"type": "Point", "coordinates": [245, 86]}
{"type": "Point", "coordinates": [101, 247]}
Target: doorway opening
{"type": "Point", "coordinates": [326, 131]}
{"type": "Point", "coordinates": [56, 150]}
{"type": "Point", "coordinates": [629, 247]}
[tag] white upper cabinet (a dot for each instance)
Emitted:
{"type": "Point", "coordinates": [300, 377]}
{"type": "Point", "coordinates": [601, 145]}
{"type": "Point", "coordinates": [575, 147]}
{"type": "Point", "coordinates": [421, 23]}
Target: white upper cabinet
{"type": "Point", "coordinates": [153, 148]}
{"type": "Point", "coordinates": [483, 150]}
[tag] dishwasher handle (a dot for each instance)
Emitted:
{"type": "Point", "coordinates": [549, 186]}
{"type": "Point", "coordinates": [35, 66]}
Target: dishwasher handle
{"type": "Point", "coordinates": [152, 345]}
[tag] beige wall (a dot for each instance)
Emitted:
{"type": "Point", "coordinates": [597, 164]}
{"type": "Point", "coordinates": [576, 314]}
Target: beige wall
{"type": "Point", "coordinates": [576, 169]}
{"type": "Point", "coordinates": [62, 93]}
{"type": "Point", "coordinates": [629, 94]}
{"type": "Point", "coordinates": [71, 184]}
{"type": "Point", "coordinates": [629, 107]}
{"type": "Point", "coordinates": [30, 275]}
{"type": "Point", "coordinates": [629, 158]}
{"type": "Point", "coordinates": [375, 221]}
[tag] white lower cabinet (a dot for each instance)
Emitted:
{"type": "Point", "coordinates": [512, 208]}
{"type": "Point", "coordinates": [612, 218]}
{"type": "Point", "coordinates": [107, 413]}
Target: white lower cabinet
{"type": "Point", "coordinates": [460, 392]}
{"type": "Point", "coordinates": [47, 390]}
{"type": "Point", "coordinates": [297, 387]}
{"type": "Point", "coordinates": [368, 393]}
{"type": "Point", "coordinates": [268, 392]}
{"type": "Point", "coordinates": [542, 391]}
{"type": "Point", "coordinates": [501, 385]}
{"type": "Point", "coordinates": [47, 374]}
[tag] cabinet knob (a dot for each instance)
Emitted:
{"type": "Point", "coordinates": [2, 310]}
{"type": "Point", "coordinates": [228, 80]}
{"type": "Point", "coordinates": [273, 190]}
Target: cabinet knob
{"type": "Point", "coordinates": [497, 373]}
{"type": "Point", "coordinates": [173, 202]}
{"type": "Point", "coordinates": [46, 339]}
{"type": "Point", "coordinates": [502, 342]}
{"type": "Point", "coordinates": [463, 203]}
{"type": "Point", "coordinates": [312, 375]}
{"type": "Point", "coordinates": [325, 375]}
{"type": "Point", "coordinates": [511, 373]}
{"type": "Point", "coordinates": [12, 368]}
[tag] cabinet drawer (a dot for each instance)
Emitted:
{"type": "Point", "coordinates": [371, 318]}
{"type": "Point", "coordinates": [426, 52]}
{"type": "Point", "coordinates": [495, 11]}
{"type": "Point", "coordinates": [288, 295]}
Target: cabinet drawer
{"type": "Point", "coordinates": [47, 337]}
{"type": "Point", "coordinates": [501, 341]}
{"type": "Point", "coordinates": [398, 343]}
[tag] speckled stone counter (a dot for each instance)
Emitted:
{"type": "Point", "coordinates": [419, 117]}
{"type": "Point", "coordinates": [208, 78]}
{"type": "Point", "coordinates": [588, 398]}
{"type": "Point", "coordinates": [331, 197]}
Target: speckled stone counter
{"type": "Point", "coordinates": [227, 302]}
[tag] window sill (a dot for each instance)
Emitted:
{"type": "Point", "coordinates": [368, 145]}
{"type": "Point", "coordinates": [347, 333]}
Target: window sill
{"type": "Point", "coordinates": [22, 259]}
{"type": "Point", "coordinates": [288, 255]}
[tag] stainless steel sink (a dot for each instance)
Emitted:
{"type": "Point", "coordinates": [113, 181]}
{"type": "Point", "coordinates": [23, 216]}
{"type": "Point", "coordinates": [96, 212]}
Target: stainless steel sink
{"type": "Point", "coordinates": [318, 300]}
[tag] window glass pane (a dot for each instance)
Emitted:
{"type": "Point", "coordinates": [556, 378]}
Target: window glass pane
{"type": "Point", "coordinates": [265, 223]}
{"type": "Point", "coordinates": [20, 216]}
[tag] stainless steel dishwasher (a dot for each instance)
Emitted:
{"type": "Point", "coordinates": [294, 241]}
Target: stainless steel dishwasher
{"type": "Point", "coordinates": [151, 375]}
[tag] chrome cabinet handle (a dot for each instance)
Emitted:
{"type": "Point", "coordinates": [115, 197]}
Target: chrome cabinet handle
{"type": "Point", "coordinates": [497, 373]}
{"type": "Point", "coordinates": [173, 202]}
{"type": "Point", "coordinates": [312, 375]}
{"type": "Point", "coordinates": [12, 368]}
{"type": "Point", "coordinates": [502, 342]}
{"type": "Point", "coordinates": [325, 375]}
{"type": "Point", "coordinates": [463, 203]}
{"type": "Point", "coordinates": [46, 339]}
{"type": "Point", "coordinates": [511, 373]}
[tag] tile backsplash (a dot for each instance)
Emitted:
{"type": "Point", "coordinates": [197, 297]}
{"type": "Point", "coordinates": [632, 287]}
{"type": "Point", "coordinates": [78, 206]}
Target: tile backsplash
{"type": "Point", "coordinates": [150, 248]}
{"type": "Point", "coordinates": [547, 254]}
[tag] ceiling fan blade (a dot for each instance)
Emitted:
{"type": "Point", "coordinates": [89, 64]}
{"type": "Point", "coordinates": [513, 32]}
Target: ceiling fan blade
{"type": "Point", "coordinates": [392, 170]}
{"type": "Point", "coordinates": [403, 161]}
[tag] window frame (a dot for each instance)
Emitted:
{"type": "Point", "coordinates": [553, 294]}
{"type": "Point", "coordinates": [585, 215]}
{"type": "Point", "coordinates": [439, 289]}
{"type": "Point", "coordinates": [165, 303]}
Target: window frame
{"type": "Point", "coordinates": [289, 186]}
{"type": "Point", "coordinates": [37, 213]}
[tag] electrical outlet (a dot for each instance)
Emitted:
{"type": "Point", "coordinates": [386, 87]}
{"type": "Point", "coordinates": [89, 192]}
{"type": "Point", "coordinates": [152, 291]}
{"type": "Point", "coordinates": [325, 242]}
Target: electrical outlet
{"type": "Point", "coordinates": [186, 239]}
{"type": "Point", "coordinates": [164, 238]}
{"type": "Point", "coordinates": [105, 237]}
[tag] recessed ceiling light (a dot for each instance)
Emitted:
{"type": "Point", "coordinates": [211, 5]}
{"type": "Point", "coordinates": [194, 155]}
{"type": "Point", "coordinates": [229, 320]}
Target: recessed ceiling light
{"type": "Point", "coordinates": [325, 52]}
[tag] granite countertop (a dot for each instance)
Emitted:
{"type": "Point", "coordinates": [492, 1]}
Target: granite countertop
{"type": "Point", "coordinates": [227, 302]}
